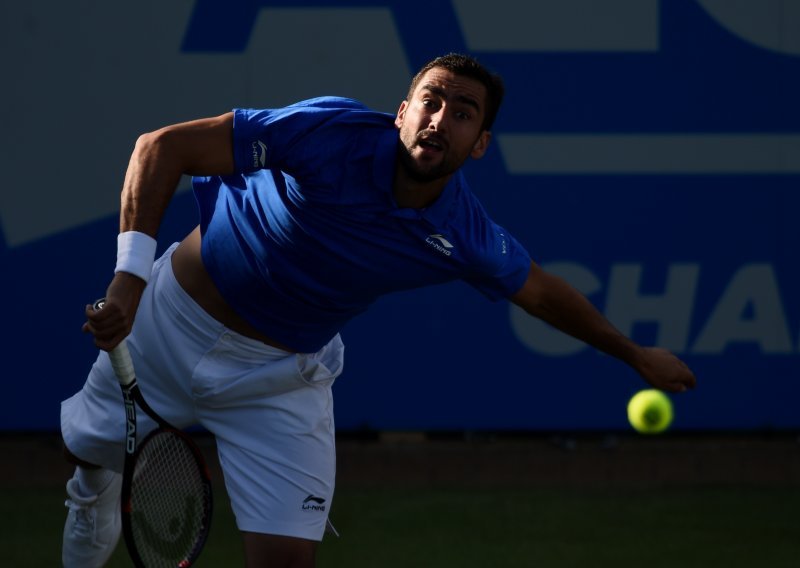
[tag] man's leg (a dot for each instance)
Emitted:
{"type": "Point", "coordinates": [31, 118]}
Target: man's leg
{"type": "Point", "coordinates": [282, 551]}
{"type": "Point", "coordinates": [272, 416]}
{"type": "Point", "coordinates": [93, 524]}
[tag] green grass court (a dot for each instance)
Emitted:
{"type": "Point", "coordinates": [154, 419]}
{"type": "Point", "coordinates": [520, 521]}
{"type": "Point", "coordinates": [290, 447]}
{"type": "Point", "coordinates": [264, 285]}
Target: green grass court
{"type": "Point", "coordinates": [466, 514]}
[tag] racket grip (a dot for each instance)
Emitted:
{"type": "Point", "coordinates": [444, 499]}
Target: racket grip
{"type": "Point", "coordinates": [122, 364]}
{"type": "Point", "coordinates": [120, 357]}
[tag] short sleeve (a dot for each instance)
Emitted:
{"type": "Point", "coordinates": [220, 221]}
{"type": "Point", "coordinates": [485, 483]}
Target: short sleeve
{"type": "Point", "coordinates": [503, 265]}
{"type": "Point", "coordinates": [273, 138]}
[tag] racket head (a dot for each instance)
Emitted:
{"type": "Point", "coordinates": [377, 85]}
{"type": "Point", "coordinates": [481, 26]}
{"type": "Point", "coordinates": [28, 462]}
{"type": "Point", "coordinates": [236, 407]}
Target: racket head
{"type": "Point", "coordinates": [166, 500]}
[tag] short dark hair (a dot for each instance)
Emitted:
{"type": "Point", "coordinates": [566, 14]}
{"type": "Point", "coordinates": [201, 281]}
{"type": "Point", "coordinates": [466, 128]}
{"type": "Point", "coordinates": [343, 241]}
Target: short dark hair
{"type": "Point", "coordinates": [468, 66]}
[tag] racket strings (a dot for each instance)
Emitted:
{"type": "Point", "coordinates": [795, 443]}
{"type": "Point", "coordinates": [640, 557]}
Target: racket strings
{"type": "Point", "coordinates": [169, 503]}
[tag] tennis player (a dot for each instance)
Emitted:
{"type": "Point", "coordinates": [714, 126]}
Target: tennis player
{"type": "Point", "coordinates": [308, 214]}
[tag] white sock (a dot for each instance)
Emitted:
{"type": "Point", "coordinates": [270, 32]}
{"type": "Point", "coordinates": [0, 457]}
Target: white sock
{"type": "Point", "coordinates": [92, 481]}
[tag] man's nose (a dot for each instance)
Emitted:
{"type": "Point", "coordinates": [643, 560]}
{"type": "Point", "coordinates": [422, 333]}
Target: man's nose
{"type": "Point", "coordinates": [438, 120]}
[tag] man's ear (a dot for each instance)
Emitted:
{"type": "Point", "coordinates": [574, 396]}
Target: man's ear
{"type": "Point", "coordinates": [481, 145]}
{"type": "Point", "coordinates": [401, 114]}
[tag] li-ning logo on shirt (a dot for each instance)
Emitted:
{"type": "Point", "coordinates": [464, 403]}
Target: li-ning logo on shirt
{"type": "Point", "coordinates": [441, 244]}
{"type": "Point", "coordinates": [259, 154]}
{"type": "Point", "coordinates": [313, 503]}
{"type": "Point", "coordinates": [503, 244]}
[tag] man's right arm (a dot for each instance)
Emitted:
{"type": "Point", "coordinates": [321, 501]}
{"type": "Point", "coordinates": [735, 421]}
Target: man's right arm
{"type": "Point", "coordinates": [159, 159]}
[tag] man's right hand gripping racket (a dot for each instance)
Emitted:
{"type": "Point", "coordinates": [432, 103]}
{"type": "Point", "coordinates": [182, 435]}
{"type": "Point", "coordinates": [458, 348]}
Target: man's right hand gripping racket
{"type": "Point", "coordinates": [166, 497]}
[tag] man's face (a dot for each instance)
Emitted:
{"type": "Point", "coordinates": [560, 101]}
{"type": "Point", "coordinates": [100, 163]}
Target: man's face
{"type": "Point", "coordinates": [441, 125]}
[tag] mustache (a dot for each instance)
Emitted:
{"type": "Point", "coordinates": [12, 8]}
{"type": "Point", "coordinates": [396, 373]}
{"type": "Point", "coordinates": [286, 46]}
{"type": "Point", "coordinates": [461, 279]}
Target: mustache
{"type": "Point", "coordinates": [431, 136]}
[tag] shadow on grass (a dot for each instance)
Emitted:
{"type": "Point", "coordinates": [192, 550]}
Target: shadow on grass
{"type": "Point", "coordinates": [553, 528]}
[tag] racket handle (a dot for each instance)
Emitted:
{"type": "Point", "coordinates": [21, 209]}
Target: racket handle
{"type": "Point", "coordinates": [122, 364]}
{"type": "Point", "coordinates": [120, 357]}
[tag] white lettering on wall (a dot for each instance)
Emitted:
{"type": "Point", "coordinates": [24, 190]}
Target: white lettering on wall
{"type": "Point", "coordinates": [671, 310]}
{"type": "Point", "coordinates": [748, 310]}
{"type": "Point", "coordinates": [541, 337]}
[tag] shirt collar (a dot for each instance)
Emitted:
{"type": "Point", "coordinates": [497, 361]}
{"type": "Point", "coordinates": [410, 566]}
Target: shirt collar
{"type": "Point", "coordinates": [438, 212]}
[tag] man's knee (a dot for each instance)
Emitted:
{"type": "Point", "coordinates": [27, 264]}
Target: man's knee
{"type": "Point", "coordinates": [278, 551]}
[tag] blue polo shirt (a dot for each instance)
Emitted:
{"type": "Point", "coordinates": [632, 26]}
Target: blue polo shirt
{"type": "Point", "coordinates": [307, 235]}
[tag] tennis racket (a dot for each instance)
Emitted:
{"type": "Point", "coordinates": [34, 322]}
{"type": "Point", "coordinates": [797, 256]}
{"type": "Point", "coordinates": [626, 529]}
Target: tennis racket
{"type": "Point", "coordinates": [166, 499]}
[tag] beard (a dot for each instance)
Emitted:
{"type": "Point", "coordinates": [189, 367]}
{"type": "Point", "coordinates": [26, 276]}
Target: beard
{"type": "Point", "coordinates": [421, 172]}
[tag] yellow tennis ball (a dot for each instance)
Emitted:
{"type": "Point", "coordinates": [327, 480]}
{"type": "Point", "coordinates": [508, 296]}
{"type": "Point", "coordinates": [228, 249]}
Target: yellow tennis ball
{"type": "Point", "coordinates": [650, 411]}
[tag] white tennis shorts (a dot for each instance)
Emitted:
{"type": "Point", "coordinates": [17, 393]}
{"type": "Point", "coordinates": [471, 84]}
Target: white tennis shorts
{"type": "Point", "coordinates": [271, 411]}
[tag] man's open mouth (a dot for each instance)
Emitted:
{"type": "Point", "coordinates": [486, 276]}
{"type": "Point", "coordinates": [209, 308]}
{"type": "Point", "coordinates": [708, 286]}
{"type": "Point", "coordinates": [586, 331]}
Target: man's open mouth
{"type": "Point", "coordinates": [431, 144]}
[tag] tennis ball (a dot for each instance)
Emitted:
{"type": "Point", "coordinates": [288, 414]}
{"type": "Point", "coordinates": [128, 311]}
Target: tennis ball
{"type": "Point", "coordinates": [650, 411]}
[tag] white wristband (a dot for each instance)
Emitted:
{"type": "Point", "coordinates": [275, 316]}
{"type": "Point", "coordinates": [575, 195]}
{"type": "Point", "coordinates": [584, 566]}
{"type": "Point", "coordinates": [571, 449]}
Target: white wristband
{"type": "Point", "coordinates": [135, 254]}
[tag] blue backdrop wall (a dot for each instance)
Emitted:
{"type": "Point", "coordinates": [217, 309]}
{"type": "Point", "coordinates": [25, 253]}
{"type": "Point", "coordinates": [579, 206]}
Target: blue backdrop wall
{"type": "Point", "coordinates": [648, 151]}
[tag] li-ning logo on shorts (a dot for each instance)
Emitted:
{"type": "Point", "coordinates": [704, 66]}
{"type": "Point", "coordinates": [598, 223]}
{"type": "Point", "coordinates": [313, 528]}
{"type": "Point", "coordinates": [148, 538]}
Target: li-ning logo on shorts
{"type": "Point", "coordinates": [312, 503]}
{"type": "Point", "coordinates": [441, 244]}
{"type": "Point", "coordinates": [259, 154]}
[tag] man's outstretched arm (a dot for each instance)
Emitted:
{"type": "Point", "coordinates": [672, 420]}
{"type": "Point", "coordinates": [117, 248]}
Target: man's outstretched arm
{"type": "Point", "coordinates": [553, 300]}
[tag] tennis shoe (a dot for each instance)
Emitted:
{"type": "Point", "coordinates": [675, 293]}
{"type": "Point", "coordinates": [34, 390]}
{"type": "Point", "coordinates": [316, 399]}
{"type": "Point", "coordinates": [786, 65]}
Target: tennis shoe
{"type": "Point", "coordinates": [93, 526]}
